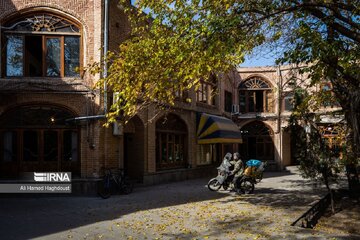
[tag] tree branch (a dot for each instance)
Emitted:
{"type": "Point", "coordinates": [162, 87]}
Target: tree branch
{"type": "Point", "coordinates": [336, 26]}
{"type": "Point", "coordinates": [313, 9]}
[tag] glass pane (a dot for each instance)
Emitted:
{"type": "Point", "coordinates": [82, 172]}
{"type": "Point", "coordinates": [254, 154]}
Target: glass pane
{"type": "Point", "coordinates": [50, 146]}
{"type": "Point", "coordinates": [289, 103]}
{"type": "Point", "coordinates": [33, 53]}
{"type": "Point", "coordinates": [251, 102]}
{"type": "Point", "coordinates": [228, 101]}
{"type": "Point", "coordinates": [177, 152]}
{"type": "Point", "coordinates": [207, 153]}
{"type": "Point", "coordinates": [14, 56]}
{"type": "Point", "coordinates": [72, 56]}
{"type": "Point", "coordinates": [171, 152]}
{"type": "Point", "coordinates": [242, 102]}
{"type": "Point", "coordinates": [30, 146]}
{"type": "Point", "coordinates": [42, 23]}
{"type": "Point", "coordinates": [157, 139]}
{"type": "Point", "coordinates": [163, 148]}
{"type": "Point", "coordinates": [53, 65]}
{"type": "Point", "coordinates": [70, 142]}
{"type": "Point", "coordinates": [259, 100]}
{"type": "Point", "coordinates": [10, 146]}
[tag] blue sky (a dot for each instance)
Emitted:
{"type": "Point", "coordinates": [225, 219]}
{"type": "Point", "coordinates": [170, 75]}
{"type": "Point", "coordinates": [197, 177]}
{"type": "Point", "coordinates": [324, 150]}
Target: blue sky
{"type": "Point", "coordinates": [258, 61]}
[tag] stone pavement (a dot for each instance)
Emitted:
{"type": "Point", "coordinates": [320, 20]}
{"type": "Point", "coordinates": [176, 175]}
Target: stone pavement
{"type": "Point", "coordinates": [181, 210]}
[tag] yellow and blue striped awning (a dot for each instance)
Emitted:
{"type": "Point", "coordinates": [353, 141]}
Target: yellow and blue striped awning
{"type": "Point", "coordinates": [216, 129]}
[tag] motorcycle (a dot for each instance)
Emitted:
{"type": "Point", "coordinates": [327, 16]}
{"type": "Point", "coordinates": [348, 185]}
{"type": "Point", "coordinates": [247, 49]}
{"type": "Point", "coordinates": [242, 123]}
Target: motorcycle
{"type": "Point", "coordinates": [255, 169]}
{"type": "Point", "coordinates": [244, 184]}
{"type": "Point", "coordinates": [222, 179]}
{"type": "Point", "coordinates": [253, 174]}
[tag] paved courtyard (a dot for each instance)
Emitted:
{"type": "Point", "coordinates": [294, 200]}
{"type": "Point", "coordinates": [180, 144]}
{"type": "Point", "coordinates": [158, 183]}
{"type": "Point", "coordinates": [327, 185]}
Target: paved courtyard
{"type": "Point", "coordinates": [182, 210]}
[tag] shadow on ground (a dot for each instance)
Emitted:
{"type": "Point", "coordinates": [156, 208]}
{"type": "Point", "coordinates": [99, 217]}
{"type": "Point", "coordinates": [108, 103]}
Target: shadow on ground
{"type": "Point", "coordinates": [24, 218]}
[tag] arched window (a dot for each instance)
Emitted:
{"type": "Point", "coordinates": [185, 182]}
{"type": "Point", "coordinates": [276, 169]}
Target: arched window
{"type": "Point", "coordinates": [38, 138]}
{"type": "Point", "coordinates": [41, 45]}
{"type": "Point", "coordinates": [171, 133]}
{"type": "Point", "coordinates": [255, 95]}
{"type": "Point", "coordinates": [258, 142]}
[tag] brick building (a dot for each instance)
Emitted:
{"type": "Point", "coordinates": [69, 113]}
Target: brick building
{"type": "Point", "coordinates": [42, 44]}
{"type": "Point", "coordinates": [51, 117]}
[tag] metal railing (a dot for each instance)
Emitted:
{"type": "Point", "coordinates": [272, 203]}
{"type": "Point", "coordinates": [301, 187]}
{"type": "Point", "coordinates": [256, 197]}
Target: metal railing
{"type": "Point", "coordinates": [309, 218]}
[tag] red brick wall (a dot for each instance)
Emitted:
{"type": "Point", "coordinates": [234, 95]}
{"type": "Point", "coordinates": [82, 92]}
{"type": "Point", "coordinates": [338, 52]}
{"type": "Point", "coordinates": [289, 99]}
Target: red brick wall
{"type": "Point", "coordinates": [99, 148]}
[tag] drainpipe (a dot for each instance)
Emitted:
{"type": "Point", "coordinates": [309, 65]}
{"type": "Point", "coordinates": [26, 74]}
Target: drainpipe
{"type": "Point", "coordinates": [106, 42]}
{"type": "Point", "coordinates": [279, 116]}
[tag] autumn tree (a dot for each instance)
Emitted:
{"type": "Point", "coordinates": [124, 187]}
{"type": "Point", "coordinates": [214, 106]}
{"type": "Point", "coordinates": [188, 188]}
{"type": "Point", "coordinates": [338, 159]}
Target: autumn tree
{"type": "Point", "coordinates": [326, 38]}
{"type": "Point", "coordinates": [318, 146]}
{"type": "Point", "coordinates": [180, 42]}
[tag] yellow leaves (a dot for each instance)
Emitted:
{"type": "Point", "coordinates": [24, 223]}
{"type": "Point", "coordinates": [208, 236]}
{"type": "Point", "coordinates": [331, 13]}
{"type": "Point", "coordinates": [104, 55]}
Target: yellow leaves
{"type": "Point", "coordinates": [142, 67]}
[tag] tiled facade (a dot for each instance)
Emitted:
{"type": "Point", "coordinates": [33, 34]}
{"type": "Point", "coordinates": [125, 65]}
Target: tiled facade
{"type": "Point", "coordinates": [136, 148]}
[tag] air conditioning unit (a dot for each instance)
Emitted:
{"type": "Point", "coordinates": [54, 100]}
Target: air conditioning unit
{"type": "Point", "coordinates": [117, 129]}
{"type": "Point", "coordinates": [235, 109]}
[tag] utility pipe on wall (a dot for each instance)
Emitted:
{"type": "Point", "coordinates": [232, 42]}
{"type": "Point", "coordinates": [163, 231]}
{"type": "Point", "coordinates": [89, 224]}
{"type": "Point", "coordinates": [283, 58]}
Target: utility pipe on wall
{"type": "Point", "coordinates": [280, 85]}
{"type": "Point", "coordinates": [106, 42]}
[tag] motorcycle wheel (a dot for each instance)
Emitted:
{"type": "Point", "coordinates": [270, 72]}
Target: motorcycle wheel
{"type": "Point", "coordinates": [214, 185]}
{"type": "Point", "coordinates": [259, 178]}
{"type": "Point", "coordinates": [246, 186]}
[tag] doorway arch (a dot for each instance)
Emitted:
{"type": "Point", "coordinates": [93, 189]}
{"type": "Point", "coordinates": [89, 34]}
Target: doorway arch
{"type": "Point", "coordinates": [258, 142]}
{"type": "Point", "coordinates": [171, 143]}
{"type": "Point", "coordinates": [38, 138]}
{"type": "Point", "coordinates": [134, 142]}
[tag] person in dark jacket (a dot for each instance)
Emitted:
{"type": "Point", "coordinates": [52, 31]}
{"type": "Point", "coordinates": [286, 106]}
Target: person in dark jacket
{"type": "Point", "coordinates": [238, 168]}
